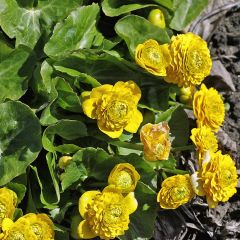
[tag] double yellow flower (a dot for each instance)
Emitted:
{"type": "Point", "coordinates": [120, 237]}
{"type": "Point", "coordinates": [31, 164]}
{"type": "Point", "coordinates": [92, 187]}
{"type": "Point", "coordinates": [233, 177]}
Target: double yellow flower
{"type": "Point", "coordinates": [185, 61]}
{"type": "Point", "coordinates": [114, 107]}
{"type": "Point", "coordinates": [106, 214]}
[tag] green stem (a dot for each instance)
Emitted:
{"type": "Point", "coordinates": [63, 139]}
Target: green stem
{"type": "Point", "coordinates": [164, 175]}
{"type": "Point", "coordinates": [172, 103]}
{"type": "Point", "coordinates": [184, 148]}
{"type": "Point", "coordinates": [175, 171]}
{"type": "Point", "coordinates": [133, 146]}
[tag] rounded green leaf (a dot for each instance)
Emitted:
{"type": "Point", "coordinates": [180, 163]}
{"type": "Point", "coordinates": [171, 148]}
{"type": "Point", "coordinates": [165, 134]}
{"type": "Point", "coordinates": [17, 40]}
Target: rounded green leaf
{"type": "Point", "coordinates": [135, 30]}
{"type": "Point", "coordinates": [114, 8]}
{"type": "Point", "coordinates": [20, 139]}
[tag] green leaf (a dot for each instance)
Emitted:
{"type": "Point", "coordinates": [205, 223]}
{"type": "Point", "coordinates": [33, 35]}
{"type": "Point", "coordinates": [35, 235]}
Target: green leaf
{"type": "Point", "coordinates": [19, 189]}
{"type": "Point", "coordinates": [54, 11]}
{"type": "Point", "coordinates": [179, 127]}
{"type": "Point", "coordinates": [165, 3]}
{"type": "Point", "coordinates": [24, 23]}
{"type": "Point", "coordinates": [20, 23]}
{"type": "Point", "coordinates": [20, 139]}
{"type": "Point", "coordinates": [166, 115]}
{"type": "Point", "coordinates": [103, 67]}
{"type": "Point", "coordinates": [51, 162]}
{"type": "Point", "coordinates": [79, 77]}
{"type": "Point", "coordinates": [113, 8]}
{"type": "Point", "coordinates": [185, 12]}
{"type": "Point", "coordinates": [67, 98]}
{"type": "Point", "coordinates": [67, 129]}
{"type": "Point", "coordinates": [73, 173]}
{"type": "Point", "coordinates": [5, 47]}
{"type": "Point", "coordinates": [47, 198]}
{"type": "Point", "coordinates": [132, 27]}
{"type": "Point", "coordinates": [142, 221]}
{"type": "Point", "coordinates": [13, 79]}
{"type": "Point", "coordinates": [76, 32]}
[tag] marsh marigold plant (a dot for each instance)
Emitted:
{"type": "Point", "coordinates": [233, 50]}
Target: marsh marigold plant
{"type": "Point", "coordinates": [156, 141]}
{"type": "Point", "coordinates": [106, 214]}
{"type": "Point", "coordinates": [175, 191]}
{"type": "Point", "coordinates": [153, 57]}
{"type": "Point", "coordinates": [190, 60]}
{"type": "Point", "coordinates": [208, 108]}
{"type": "Point", "coordinates": [124, 177]}
{"type": "Point", "coordinates": [219, 178]}
{"type": "Point", "coordinates": [114, 107]}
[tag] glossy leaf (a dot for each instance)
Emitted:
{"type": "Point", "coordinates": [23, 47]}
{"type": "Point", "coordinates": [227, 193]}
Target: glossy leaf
{"type": "Point", "coordinates": [132, 27]}
{"type": "Point", "coordinates": [76, 32]}
{"type": "Point", "coordinates": [185, 12]}
{"type": "Point", "coordinates": [13, 79]}
{"type": "Point", "coordinates": [20, 138]}
{"type": "Point", "coordinates": [114, 8]}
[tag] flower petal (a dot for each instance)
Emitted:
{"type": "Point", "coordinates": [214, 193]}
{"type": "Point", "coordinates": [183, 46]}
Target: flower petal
{"type": "Point", "coordinates": [99, 91]}
{"type": "Point", "coordinates": [134, 122]}
{"type": "Point", "coordinates": [7, 223]}
{"type": "Point", "coordinates": [131, 202]}
{"type": "Point", "coordinates": [110, 133]}
{"type": "Point", "coordinates": [89, 107]}
{"type": "Point", "coordinates": [86, 199]}
{"type": "Point", "coordinates": [84, 230]}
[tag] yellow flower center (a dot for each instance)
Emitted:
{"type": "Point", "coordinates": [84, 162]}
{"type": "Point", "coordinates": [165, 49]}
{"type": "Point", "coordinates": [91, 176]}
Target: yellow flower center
{"type": "Point", "coordinates": [2, 211]}
{"type": "Point", "coordinates": [178, 193]}
{"type": "Point", "coordinates": [16, 236]}
{"type": "Point", "coordinates": [124, 179]}
{"type": "Point", "coordinates": [152, 56]}
{"type": "Point", "coordinates": [195, 61]}
{"type": "Point", "coordinates": [226, 177]}
{"type": "Point", "coordinates": [112, 213]}
{"type": "Point", "coordinates": [36, 228]}
{"type": "Point", "coordinates": [117, 110]}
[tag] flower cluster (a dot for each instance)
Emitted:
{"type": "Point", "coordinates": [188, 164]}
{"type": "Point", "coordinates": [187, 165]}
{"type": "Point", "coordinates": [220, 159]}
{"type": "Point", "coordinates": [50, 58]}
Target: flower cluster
{"type": "Point", "coordinates": [185, 61]}
{"type": "Point", "coordinates": [217, 175]}
{"type": "Point", "coordinates": [30, 226]}
{"type": "Point", "coordinates": [106, 214]}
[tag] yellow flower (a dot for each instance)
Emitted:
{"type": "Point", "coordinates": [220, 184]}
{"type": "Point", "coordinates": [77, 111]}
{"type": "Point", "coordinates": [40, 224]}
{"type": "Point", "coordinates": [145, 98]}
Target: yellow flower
{"type": "Point", "coordinates": [124, 176]}
{"type": "Point", "coordinates": [114, 107]}
{"type": "Point", "coordinates": [105, 214]}
{"type": "Point", "coordinates": [8, 202]}
{"type": "Point", "coordinates": [64, 161]}
{"type": "Point", "coordinates": [208, 108]}
{"type": "Point", "coordinates": [219, 178]}
{"type": "Point", "coordinates": [41, 225]}
{"type": "Point", "coordinates": [190, 60]}
{"type": "Point", "coordinates": [153, 57]}
{"type": "Point", "coordinates": [204, 139]}
{"type": "Point", "coordinates": [19, 230]}
{"type": "Point", "coordinates": [176, 190]}
{"type": "Point", "coordinates": [156, 141]}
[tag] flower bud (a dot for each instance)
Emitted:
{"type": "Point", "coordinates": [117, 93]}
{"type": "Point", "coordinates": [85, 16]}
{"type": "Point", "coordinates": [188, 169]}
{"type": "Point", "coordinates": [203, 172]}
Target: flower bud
{"type": "Point", "coordinates": [64, 161]}
{"type": "Point", "coordinates": [156, 17]}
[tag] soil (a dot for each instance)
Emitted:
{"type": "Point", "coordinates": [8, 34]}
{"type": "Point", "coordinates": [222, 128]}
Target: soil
{"type": "Point", "coordinates": [196, 221]}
